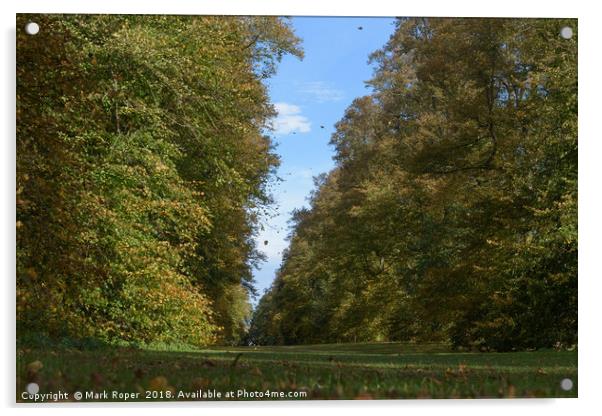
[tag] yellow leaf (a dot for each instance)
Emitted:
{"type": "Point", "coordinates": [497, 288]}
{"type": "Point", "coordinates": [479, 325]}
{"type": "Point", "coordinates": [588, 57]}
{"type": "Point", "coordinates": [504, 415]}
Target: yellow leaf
{"type": "Point", "coordinates": [158, 383]}
{"type": "Point", "coordinates": [35, 366]}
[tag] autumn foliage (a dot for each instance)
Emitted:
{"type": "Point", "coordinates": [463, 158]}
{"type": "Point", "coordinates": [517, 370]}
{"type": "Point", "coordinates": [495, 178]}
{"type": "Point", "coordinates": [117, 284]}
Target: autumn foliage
{"type": "Point", "coordinates": [451, 214]}
{"type": "Point", "coordinates": [142, 169]}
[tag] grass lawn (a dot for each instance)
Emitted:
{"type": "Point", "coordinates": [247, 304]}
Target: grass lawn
{"type": "Point", "coordinates": [335, 371]}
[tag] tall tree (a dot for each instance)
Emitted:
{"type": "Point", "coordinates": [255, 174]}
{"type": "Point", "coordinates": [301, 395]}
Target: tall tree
{"type": "Point", "coordinates": [141, 165]}
{"type": "Point", "coordinates": [451, 213]}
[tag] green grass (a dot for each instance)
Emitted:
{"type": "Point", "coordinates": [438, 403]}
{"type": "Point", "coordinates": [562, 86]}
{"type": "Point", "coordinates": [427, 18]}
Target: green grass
{"type": "Point", "coordinates": [331, 371]}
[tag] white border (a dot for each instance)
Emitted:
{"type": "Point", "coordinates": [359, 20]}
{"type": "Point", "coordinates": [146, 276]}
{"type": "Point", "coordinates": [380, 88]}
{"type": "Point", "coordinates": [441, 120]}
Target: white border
{"type": "Point", "coordinates": [509, 8]}
{"type": "Point", "coordinates": [590, 155]}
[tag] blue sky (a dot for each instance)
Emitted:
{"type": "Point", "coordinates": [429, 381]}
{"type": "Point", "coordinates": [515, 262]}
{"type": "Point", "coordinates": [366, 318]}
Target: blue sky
{"type": "Point", "coordinates": [309, 94]}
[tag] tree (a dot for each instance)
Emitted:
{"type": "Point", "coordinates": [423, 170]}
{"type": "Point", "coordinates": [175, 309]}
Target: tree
{"type": "Point", "coordinates": [141, 163]}
{"type": "Point", "coordinates": [451, 213]}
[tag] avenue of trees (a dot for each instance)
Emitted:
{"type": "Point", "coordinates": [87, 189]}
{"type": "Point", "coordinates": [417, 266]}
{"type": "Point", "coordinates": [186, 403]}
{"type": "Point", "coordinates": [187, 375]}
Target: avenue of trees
{"type": "Point", "coordinates": [451, 214]}
{"type": "Point", "coordinates": [142, 173]}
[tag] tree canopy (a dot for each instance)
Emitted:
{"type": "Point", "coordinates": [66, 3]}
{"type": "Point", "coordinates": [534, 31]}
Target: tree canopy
{"type": "Point", "coordinates": [451, 214]}
{"type": "Point", "coordinates": [143, 168]}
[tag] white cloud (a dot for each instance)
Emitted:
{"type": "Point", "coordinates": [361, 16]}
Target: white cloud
{"type": "Point", "coordinates": [320, 91]}
{"type": "Point", "coordinates": [289, 120]}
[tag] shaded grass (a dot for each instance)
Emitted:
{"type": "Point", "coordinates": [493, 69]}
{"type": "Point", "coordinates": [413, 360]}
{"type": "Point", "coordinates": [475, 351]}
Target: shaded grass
{"type": "Point", "coordinates": [334, 371]}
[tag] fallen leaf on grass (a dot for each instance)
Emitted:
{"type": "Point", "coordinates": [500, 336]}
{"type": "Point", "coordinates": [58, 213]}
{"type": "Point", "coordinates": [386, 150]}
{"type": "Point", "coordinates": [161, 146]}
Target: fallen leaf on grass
{"type": "Point", "coordinates": [96, 379]}
{"type": "Point", "coordinates": [32, 371]}
{"type": "Point", "coordinates": [158, 384]}
{"type": "Point", "coordinates": [434, 380]}
{"type": "Point", "coordinates": [508, 392]}
{"type": "Point", "coordinates": [207, 363]}
{"type": "Point", "coordinates": [200, 383]}
{"type": "Point", "coordinates": [35, 366]}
